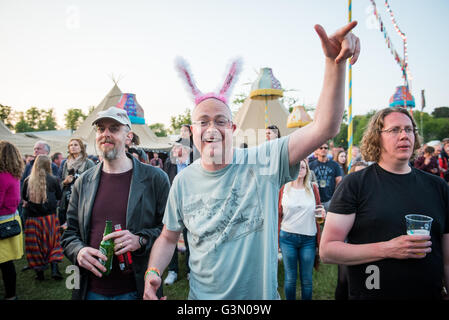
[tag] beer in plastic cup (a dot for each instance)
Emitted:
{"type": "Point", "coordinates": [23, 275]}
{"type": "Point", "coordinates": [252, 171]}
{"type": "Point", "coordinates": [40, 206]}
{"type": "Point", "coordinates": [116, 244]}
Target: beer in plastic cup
{"type": "Point", "coordinates": [319, 213]}
{"type": "Point", "coordinates": [419, 225]}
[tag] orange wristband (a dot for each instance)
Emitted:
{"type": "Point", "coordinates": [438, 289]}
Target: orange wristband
{"type": "Point", "coordinates": [152, 270]}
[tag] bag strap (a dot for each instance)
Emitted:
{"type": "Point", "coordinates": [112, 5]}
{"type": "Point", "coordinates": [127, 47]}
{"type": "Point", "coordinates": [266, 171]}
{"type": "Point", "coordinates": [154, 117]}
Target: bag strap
{"type": "Point", "coordinates": [316, 192]}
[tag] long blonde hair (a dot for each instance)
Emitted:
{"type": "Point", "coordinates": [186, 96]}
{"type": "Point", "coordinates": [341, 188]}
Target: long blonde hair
{"type": "Point", "coordinates": [307, 182]}
{"type": "Point", "coordinates": [37, 183]}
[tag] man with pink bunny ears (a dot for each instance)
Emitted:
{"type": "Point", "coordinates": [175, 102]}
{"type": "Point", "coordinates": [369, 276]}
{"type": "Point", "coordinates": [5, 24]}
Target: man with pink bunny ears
{"type": "Point", "coordinates": [227, 199]}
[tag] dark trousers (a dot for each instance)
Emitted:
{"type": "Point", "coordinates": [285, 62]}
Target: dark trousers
{"type": "Point", "coordinates": [173, 266]}
{"type": "Point", "coordinates": [342, 289]}
{"type": "Point", "coordinates": [9, 278]}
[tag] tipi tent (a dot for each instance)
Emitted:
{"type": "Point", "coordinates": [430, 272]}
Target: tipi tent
{"type": "Point", "coordinates": [260, 109]}
{"type": "Point", "coordinates": [4, 131]}
{"type": "Point", "coordinates": [127, 101]}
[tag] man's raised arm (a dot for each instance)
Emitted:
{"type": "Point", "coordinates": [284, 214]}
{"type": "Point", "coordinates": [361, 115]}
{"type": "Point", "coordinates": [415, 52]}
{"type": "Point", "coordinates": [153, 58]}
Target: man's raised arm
{"type": "Point", "coordinates": [329, 112]}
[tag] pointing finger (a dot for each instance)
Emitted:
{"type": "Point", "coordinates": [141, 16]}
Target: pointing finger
{"type": "Point", "coordinates": [321, 33]}
{"type": "Point", "coordinates": [346, 29]}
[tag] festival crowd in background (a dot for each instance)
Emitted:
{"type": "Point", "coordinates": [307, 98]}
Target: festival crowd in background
{"type": "Point", "coordinates": [42, 237]}
{"type": "Point", "coordinates": [236, 219]}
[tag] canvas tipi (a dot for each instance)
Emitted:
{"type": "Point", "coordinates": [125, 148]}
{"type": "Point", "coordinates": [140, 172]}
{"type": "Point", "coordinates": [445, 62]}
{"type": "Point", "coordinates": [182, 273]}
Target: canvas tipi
{"type": "Point", "coordinates": [261, 109]}
{"type": "Point", "coordinates": [127, 101]}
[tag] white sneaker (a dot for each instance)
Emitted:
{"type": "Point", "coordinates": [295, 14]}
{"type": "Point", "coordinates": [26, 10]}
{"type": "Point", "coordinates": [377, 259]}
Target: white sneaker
{"type": "Point", "coordinates": [171, 278]}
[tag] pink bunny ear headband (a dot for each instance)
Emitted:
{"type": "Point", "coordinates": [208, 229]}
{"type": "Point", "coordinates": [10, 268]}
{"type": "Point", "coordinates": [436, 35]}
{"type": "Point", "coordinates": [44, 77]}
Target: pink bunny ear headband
{"type": "Point", "coordinates": [223, 94]}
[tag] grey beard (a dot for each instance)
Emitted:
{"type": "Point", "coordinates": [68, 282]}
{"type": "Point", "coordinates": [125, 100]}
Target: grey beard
{"type": "Point", "coordinates": [109, 155]}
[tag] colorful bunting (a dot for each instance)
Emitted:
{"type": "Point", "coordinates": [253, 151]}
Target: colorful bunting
{"type": "Point", "coordinates": [403, 62]}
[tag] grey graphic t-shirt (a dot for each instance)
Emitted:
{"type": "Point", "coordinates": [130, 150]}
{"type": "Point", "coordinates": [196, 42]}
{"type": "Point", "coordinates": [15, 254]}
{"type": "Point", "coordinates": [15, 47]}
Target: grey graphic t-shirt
{"type": "Point", "coordinates": [231, 218]}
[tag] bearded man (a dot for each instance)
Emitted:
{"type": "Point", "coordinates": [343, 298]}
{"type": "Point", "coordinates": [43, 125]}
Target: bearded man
{"type": "Point", "coordinates": [125, 191]}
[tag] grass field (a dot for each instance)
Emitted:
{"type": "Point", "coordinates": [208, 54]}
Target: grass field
{"type": "Point", "coordinates": [28, 288]}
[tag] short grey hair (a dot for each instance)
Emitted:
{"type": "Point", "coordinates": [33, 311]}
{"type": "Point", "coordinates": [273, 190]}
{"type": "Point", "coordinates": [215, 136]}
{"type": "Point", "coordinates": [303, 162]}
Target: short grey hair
{"type": "Point", "coordinates": [45, 144]}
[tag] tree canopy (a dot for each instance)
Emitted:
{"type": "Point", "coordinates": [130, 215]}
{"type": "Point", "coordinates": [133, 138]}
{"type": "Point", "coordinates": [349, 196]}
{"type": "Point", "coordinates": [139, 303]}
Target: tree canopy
{"type": "Point", "coordinates": [159, 129]}
{"type": "Point", "coordinates": [73, 118]}
{"type": "Point", "coordinates": [35, 119]}
{"type": "Point", "coordinates": [177, 121]}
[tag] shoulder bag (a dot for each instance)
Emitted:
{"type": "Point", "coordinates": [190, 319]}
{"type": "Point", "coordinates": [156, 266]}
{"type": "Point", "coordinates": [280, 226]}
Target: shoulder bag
{"type": "Point", "coordinates": [10, 229]}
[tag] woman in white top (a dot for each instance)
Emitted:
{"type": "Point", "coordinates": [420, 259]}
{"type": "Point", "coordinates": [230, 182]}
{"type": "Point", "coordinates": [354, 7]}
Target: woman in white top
{"type": "Point", "coordinates": [298, 235]}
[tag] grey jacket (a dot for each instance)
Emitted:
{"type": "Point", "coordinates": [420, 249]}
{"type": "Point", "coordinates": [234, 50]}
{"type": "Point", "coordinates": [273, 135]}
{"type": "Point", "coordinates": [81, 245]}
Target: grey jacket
{"type": "Point", "coordinates": [146, 205]}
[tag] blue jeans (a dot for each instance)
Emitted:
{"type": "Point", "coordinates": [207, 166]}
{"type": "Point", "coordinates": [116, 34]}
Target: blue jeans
{"type": "Point", "coordinates": [126, 296]}
{"type": "Point", "coordinates": [297, 249]}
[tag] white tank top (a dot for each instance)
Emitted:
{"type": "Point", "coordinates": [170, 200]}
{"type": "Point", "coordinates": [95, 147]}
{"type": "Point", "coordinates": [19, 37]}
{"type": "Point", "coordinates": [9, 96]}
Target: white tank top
{"type": "Point", "coordinates": [298, 207]}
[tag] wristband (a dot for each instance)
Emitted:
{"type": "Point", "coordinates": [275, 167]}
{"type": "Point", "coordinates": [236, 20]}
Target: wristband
{"type": "Point", "coordinates": [152, 270]}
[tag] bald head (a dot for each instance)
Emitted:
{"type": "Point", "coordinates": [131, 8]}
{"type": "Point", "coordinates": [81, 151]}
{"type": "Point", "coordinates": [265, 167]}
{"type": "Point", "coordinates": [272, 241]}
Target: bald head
{"type": "Point", "coordinates": [211, 104]}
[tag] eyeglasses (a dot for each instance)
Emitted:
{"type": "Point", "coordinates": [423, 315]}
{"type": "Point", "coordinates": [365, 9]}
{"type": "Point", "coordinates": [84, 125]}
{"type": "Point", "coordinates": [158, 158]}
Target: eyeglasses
{"type": "Point", "coordinates": [397, 130]}
{"type": "Point", "coordinates": [112, 129]}
{"type": "Point", "coordinates": [219, 122]}
{"type": "Point", "coordinates": [324, 148]}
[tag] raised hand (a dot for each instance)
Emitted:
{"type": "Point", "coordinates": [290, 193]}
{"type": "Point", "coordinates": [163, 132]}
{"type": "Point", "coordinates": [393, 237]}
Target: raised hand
{"type": "Point", "coordinates": [341, 45]}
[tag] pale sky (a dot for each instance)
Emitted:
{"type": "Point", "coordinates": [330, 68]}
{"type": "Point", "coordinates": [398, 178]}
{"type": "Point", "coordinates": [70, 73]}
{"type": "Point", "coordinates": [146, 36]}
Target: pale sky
{"type": "Point", "coordinates": [61, 53]}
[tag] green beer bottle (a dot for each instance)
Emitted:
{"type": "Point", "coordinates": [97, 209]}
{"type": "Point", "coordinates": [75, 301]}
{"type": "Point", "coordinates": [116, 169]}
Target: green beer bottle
{"type": "Point", "coordinates": [107, 248]}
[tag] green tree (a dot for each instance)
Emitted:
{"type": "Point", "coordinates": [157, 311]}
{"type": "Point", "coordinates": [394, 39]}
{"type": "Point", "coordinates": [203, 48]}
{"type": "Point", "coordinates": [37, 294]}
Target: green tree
{"type": "Point", "coordinates": [239, 98]}
{"type": "Point", "coordinates": [32, 117]}
{"type": "Point", "coordinates": [431, 127]}
{"type": "Point", "coordinates": [359, 124]}
{"type": "Point", "coordinates": [47, 120]}
{"type": "Point", "coordinates": [159, 129]}
{"type": "Point", "coordinates": [35, 119]}
{"type": "Point", "coordinates": [341, 139]}
{"type": "Point", "coordinates": [22, 125]}
{"type": "Point", "coordinates": [6, 115]}
{"type": "Point", "coordinates": [73, 118]}
{"type": "Point", "coordinates": [177, 122]}
{"type": "Point", "coordinates": [441, 112]}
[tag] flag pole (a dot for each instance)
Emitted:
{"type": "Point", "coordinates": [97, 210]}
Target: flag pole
{"type": "Point", "coordinates": [350, 131]}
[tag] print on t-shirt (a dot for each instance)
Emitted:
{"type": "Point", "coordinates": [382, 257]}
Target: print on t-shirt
{"type": "Point", "coordinates": [223, 216]}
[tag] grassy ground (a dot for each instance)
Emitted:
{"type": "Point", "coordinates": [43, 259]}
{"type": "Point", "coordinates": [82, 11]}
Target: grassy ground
{"type": "Point", "coordinates": [28, 288]}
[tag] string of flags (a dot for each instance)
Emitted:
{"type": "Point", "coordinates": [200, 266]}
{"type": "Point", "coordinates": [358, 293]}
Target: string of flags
{"type": "Point", "coordinates": [403, 62]}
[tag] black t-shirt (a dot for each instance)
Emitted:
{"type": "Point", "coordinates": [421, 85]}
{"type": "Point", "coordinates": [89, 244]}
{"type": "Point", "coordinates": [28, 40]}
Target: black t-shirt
{"type": "Point", "coordinates": [381, 200]}
{"type": "Point", "coordinates": [325, 173]}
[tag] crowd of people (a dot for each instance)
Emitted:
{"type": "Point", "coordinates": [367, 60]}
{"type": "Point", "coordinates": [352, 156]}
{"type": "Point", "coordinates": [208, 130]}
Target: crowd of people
{"type": "Point", "coordinates": [234, 214]}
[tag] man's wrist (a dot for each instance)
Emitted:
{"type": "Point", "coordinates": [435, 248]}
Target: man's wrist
{"type": "Point", "coordinates": [142, 241]}
{"type": "Point", "coordinates": [152, 271]}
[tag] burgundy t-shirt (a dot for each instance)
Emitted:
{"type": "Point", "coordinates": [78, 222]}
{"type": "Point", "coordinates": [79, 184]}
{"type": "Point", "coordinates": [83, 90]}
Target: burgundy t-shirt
{"type": "Point", "coordinates": [111, 203]}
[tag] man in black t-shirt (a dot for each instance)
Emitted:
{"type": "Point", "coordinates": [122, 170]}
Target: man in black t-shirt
{"type": "Point", "coordinates": [369, 207]}
{"type": "Point", "coordinates": [328, 174]}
